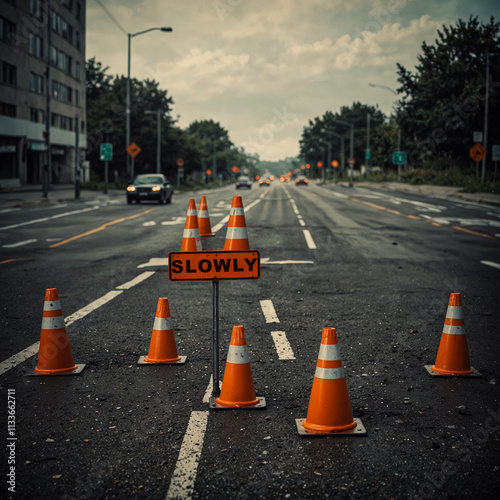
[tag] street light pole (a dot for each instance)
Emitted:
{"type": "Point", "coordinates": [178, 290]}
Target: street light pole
{"type": "Point", "coordinates": [127, 100]}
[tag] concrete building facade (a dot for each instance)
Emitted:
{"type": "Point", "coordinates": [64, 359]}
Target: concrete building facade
{"type": "Point", "coordinates": [42, 91]}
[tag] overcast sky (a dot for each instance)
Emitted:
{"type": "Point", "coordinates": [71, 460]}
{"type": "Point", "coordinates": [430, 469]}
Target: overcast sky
{"type": "Point", "coordinates": [264, 68]}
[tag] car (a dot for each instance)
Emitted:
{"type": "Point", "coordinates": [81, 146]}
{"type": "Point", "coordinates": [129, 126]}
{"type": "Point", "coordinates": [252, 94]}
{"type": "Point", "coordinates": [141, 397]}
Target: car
{"type": "Point", "coordinates": [301, 179]}
{"type": "Point", "coordinates": [264, 181]}
{"type": "Point", "coordinates": [243, 181]}
{"type": "Point", "coordinates": [150, 187]}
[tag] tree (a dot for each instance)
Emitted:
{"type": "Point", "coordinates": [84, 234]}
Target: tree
{"type": "Point", "coordinates": [315, 137]}
{"type": "Point", "coordinates": [443, 99]}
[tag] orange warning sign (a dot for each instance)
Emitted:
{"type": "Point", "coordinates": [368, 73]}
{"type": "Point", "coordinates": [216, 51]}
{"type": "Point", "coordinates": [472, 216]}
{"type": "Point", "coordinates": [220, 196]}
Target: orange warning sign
{"type": "Point", "coordinates": [214, 265]}
{"type": "Point", "coordinates": [133, 150]}
{"type": "Point", "coordinates": [477, 152]}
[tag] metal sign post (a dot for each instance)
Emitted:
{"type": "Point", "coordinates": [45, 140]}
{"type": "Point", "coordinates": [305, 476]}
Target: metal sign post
{"type": "Point", "coordinates": [214, 266]}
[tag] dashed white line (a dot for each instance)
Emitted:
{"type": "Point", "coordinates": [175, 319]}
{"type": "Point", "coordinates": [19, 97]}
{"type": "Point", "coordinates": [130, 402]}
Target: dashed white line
{"type": "Point", "coordinates": [310, 242]}
{"type": "Point", "coordinates": [136, 280]}
{"type": "Point", "coordinates": [491, 264]}
{"type": "Point", "coordinates": [269, 311]}
{"type": "Point", "coordinates": [283, 347]}
{"type": "Point", "coordinates": [19, 244]}
{"type": "Point", "coordinates": [184, 476]}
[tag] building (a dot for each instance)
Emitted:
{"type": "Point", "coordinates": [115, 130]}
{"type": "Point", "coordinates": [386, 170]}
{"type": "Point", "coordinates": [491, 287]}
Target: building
{"type": "Point", "coordinates": [42, 91]}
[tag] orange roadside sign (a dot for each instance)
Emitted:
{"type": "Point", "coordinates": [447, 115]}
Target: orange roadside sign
{"type": "Point", "coordinates": [133, 150]}
{"type": "Point", "coordinates": [214, 265]}
{"type": "Point", "coordinates": [477, 152]}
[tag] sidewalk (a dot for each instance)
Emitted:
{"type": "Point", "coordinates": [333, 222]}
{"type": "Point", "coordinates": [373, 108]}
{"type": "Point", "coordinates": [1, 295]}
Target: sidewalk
{"type": "Point", "coordinates": [32, 195]}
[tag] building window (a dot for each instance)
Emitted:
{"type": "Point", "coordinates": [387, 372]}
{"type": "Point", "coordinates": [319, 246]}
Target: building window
{"type": "Point", "coordinates": [7, 109]}
{"type": "Point", "coordinates": [36, 45]}
{"type": "Point", "coordinates": [36, 83]}
{"type": "Point", "coordinates": [78, 74]}
{"type": "Point", "coordinates": [60, 60]}
{"type": "Point", "coordinates": [61, 27]}
{"type": "Point", "coordinates": [61, 91]}
{"type": "Point", "coordinates": [8, 76]}
{"type": "Point", "coordinates": [77, 97]}
{"type": "Point", "coordinates": [7, 30]}
{"type": "Point", "coordinates": [68, 4]}
{"type": "Point", "coordinates": [36, 8]}
{"type": "Point", "coordinates": [37, 115]}
{"type": "Point", "coordinates": [61, 121]}
{"type": "Point", "coordinates": [78, 43]}
{"type": "Point", "coordinates": [79, 11]}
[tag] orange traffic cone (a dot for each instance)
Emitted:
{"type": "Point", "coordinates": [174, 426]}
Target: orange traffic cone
{"type": "Point", "coordinates": [191, 238]}
{"type": "Point", "coordinates": [237, 385]}
{"type": "Point", "coordinates": [162, 349]}
{"type": "Point", "coordinates": [329, 411]}
{"type": "Point", "coordinates": [453, 354]}
{"type": "Point", "coordinates": [204, 219]}
{"type": "Point", "coordinates": [54, 354]}
{"type": "Point", "coordinates": [237, 235]}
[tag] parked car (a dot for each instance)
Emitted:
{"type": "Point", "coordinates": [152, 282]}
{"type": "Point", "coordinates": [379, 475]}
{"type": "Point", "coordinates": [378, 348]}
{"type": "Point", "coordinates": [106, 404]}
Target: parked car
{"type": "Point", "coordinates": [243, 182]}
{"type": "Point", "coordinates": [150, 187]}
{"type": "Point", "coordinates": [301, 179]}
{"type": "Point", "coordinates": [264, 181]}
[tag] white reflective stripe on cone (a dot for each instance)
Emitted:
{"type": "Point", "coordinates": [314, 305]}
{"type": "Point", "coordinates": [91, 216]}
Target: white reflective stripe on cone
{"type": "Point", "coordinates": [203, 214]}
{"type": "Point", "coordinates": [191, 233]}
{"type": "Point", "coordinates": [237, 233]}
{"type": "Point", "coordinates": [454, 312]}
{"type": "Point", "coordinates": [163, 324]}
{"type": "Point", "coordinates": [237, 354]}
{"type": "Point", "coordinates": [329, 373]}
{"type": "Point", "coordinates": [191, 213]}
{"type": "Point", "coordinates": [454, 329]}
{"type": "Point", "coordinates": [329, 352]}
{"type": "Point", "coordinates": [53, 323]}
{"type": "Point", "coordinates": [237, 211]}
{"type": "Point", "coordinates": [51, 305]}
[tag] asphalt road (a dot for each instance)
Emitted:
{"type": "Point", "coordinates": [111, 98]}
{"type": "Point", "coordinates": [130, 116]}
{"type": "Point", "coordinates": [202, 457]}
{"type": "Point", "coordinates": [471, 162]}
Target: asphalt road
{"type": "Point", "coordinates": [379, 267]}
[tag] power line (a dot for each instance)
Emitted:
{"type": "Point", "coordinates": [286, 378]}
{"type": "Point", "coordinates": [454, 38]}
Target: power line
{"type": "Point", "coordinates": [111, 16]}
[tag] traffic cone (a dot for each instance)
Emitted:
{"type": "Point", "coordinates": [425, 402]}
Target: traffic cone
{"type": "Point", "coordinates": [237, 385]}
{"type": "Point", "coordinates": [329, 411]}
{"type": "Point", "coordinates": [54, 354]}
{"type": "Point", "coordinates": [204, 219]}
{"type": "Point", "coordinates": [191, 241]}
{"type": "Point", "coordinates": [453, 354]}
{"type": "Point", "coordinates": [162, 348]}
{"type": "Point", "coordinates": [237, 235]}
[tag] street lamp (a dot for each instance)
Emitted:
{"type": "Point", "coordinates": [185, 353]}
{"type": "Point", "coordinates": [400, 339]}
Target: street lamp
{"type": "Point", "coordinates": [399, 128]}
{"type": "Point", "coordinates": [158, 136]}
{"type": "Point", "coordinates": [127, 111]}
{"type": "Point", "coordinates": [342, 148]}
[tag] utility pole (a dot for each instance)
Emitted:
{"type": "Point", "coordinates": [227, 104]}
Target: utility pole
{"type": "Point", "coordinates": [367, 154]}
{"type": "Point", "coordinates": [77, 160]}
{"type": "Point", "coordinates": [485, 133]}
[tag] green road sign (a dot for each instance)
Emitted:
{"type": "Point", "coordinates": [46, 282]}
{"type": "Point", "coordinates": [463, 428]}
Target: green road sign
{"type": "Point", "coordinates": [367, 154]}
{"type": "Point", "coordinates": [399, 158]}
{"type": "Point", "coordinates": [106, 152]}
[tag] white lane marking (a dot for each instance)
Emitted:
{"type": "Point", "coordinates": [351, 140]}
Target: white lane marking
{"type": "Point", "coordinates": [7, 210]}
{"type": "Point", "coordinates": [19, 244]}
{"type": "Point", "coordinates": [155, 261]}
{"type": "Point", "coordinates": [184, 476]}
{"type": "Point", "coordinates": [208, 392]}
{"type": "Point", "coordinates": [310, 242]}
{"type": "Point", "coordinates": [175, 220]}
{"type": "Point", "coordinates": [220, 224]}
{"type": "Point", "coordinates": [301, 222]}
{"type": "Point", "coordinates": [283, 347]}
{"type": "Point", "coordinates": [92, 306]}
{"type": "Point", "coordinates": [266, 261]}
{"type": "Point", "coordinates": [150, 223]}
{"type": "Point", "coordinates": [136, 280]}
{"type": "Point", "coordinates": [18, 358]}
{"type": "Point", "coordinates": [45, 219]}
{"type": "Point", "coordinates": [269, 311]}
{"type": "Point", "coordinates": [23, 355]}
{"type": "Point", "coordinates": [462, 222]}
{"type": "Point", "coordinates": [490, 263]}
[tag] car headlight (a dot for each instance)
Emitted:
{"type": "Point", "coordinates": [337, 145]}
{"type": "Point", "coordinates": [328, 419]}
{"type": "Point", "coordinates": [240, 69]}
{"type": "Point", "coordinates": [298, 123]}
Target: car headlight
{"type": "Point", "coordinates": [156, 188]}
{"type": "Point", "coordinates": [130, 189]}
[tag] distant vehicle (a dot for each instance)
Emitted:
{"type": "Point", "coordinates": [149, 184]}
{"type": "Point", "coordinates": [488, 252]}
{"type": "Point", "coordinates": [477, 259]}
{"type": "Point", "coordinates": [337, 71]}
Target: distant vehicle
{"type": "Point", "coordinates": [243, 181]}
{"type": "Point", "coordinates": [264, 181]}
{"type": "Point", "coordinates": [301, 179]}
{"type": "Point", "coordinates": [147, 187]}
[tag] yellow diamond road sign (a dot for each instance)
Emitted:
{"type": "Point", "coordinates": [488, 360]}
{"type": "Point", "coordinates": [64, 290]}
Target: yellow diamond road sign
{"type": "Point", "coordinates": [477, 152]}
